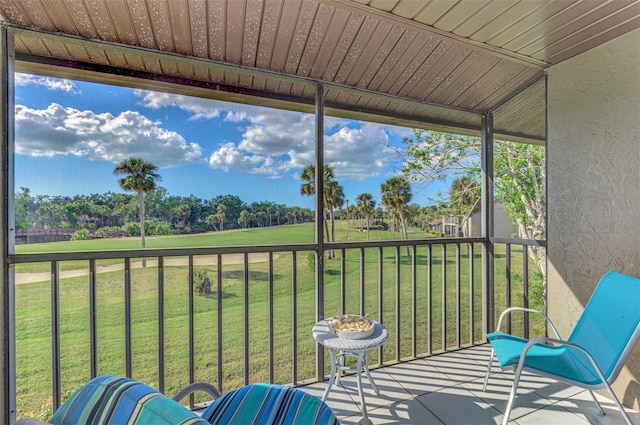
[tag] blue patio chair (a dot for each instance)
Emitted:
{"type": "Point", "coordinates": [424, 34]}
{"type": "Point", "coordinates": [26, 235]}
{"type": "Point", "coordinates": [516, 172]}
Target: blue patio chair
{"type": "Point", "coordinates": [267, 404]}
{"type": "Point", "coordinates": [594, 354]}
{"type": "Point", "coordinates": [112, 400]}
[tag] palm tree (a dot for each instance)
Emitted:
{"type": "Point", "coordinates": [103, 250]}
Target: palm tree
{"type": "Point", "coordinates": [367, 206]}
{"type": "Point", "coordinates": [220, 213]}
{"type": "Point", "coordinates": [309, 188]}
{"type": "Point", "coordinates": [140, 177]}
{"type": "Point", "coordinates": [334, 198]}
{"type": "Point", "coordinates": [396, 195]}
{"type": "Point", "coordinates": [243, 220]}
{"type": "Point", "coordinates": [211, 220]}
{"type": "Point", "coordinates": [270, 212]}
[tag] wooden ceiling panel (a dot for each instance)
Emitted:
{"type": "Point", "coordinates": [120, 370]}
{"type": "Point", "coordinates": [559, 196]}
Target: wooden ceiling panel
{"type": "Point", "coordinates": [438, 62]}
{"type": "Point", "coordinates": [284, 34]}
{"type": "Point", "coordinates": [430, 14]}
{"type": "Point", "coordinates": [356, 49]}
{"type": "Point", "coordinates": [197, 18]}
{"type": "Point", "coordinates": [304, 23]}
{"type": "Point", "coordinates": [104, 27]}
{"type": "Point", "coordinates": [464, 76]}
{"type": "Point", "coordinates": [315, 40]}
{"type": "Point", "coordinates": [546, 31]}
{"type": "Point", "coordinates": [31, 13]}
{"type": "Point", "coordinates": [134, 61]}
{"type": "Point", "coordinates": [413, 72]}
{"type": "Point", "coordinates": [346, 41]}
{"type": "Point", "coordinates": [161, 25]}
{"type": "Point", "coordinates": [217, 24]}
{"type": "Point", "coordinates": [385, 5]}
{"type": "Point", "coordinates": [424, 72]}
{"type": "Point", "coordinates": [63, 20]}
{"type": "Point", "coordinates": [181, 29]}
{"type": "Point", "coordinates": [389, 44]}
{"type": "Point", "coordinates": [440, 71]}
{"type": "Point", "coordinates": [325, 51]}
{"type": "Point", "coordinates": [251, 35]}
{"type": "Point", "coordinates": [595, 33]}
{"type": "Point", "coordinates": [141, 21]}
{"type": "Point", "coordinates": [397, 60]}
{"type": "Point", "coordinates": [408, 8]}
{"type": "Point", "coordinates": [125, 30]}
{"type": "Point", "coordinates": [487, 84]}
{"type": "Point", "coordinates": [268, 32]}
{"type": "Point", "coordinates": [501, 28]}
{"type": "Point", "coordinates": [458, 15]}
{"type": "Point", "coordinates": [482, 16]}
{"type": "Point", "coordinates": [595, 41]}
{"type": "Point", "coordinates": [235, 19]}
{"type": "Point", "coordinates": [152, 65]}
{"type": "Point", "coordinates": [508, 87]}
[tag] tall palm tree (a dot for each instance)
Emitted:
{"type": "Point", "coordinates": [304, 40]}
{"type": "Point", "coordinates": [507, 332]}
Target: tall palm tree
{"type": "Point", "coordinates": [212, 220]}
{"type": "Point", "coordinates": [243, 220]}
{"type": "Point", "coordinates": [270, 211]}
{"type": "Point", "coordinates": [308, 188]}
{"type": "Point", "coordinates": [140, 176]}
{"type": "Point", "coordinates": [396, 195]}
{"type": "Point", "coordinates": [367, 206]}
{"type": "Point", "coordinates": [220, 213]}
{"type": "Point", "coordinates": [334, 198]}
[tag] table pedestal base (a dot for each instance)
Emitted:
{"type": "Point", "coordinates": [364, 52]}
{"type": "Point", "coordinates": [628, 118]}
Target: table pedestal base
{"type": "Point", "coordinates": [337, 367]}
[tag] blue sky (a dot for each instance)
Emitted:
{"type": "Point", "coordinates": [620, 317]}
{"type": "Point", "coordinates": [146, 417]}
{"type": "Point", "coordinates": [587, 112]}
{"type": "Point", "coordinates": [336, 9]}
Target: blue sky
{"type": "Point", "coordinates": [71, 134]}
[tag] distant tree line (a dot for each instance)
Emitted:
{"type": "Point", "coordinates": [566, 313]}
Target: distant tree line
{"type": "Point", "coordinates": [118, 213]}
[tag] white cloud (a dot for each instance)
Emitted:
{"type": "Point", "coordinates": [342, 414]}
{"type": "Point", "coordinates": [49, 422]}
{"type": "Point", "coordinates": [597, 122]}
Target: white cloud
{"type": "Point", "coordinates": [199, 108]}
{"type": "Point", "coordinates": [58, 130]}
{"type": "Point", "coordinates": [357, 153]}
{"type": "Point", "coordinates": [54, 84]}
{"type": "Point", "coordinates": [275, 141]}
{"type": "Point", "coordinates": [229, 157]}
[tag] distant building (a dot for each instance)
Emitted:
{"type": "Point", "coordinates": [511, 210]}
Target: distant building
{"type": "Point", "coordinates": [503, 225]}
{"type": "Point", "coordinates": [447, 225]}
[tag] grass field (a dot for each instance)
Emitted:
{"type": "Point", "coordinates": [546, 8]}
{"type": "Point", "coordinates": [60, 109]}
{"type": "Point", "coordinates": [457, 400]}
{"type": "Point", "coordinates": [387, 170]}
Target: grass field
{"type": "Point", "coordinates": [33, 310]}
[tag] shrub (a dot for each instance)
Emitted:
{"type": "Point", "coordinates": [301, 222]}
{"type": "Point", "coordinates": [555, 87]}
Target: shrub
{"type": "Point", "coordinates": [81, 235]}
{"type": "Point", "coordinates": [109, 232]}
{"type": "Point", "coordinates": [131, 229]}
{"type": "Point", "coordinates": [311, 261]}
{"type": "Point", "coordinates": [156, 228]}
{"type": "Point", "coordinates": [201, 282]}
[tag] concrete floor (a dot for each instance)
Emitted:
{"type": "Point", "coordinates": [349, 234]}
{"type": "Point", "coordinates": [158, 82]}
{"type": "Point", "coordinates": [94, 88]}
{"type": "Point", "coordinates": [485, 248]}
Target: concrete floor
{"type": "Point", "coordinates": [447, 389]}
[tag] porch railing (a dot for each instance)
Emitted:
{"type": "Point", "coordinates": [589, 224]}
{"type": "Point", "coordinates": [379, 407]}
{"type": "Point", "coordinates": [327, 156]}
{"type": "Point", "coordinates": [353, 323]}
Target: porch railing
{"type": "Point", "coordinates": [103, 313]}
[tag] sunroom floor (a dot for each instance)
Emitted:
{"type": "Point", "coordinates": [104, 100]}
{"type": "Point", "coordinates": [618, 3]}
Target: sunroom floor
{"type": "Point", "coordinates": [447, 389]}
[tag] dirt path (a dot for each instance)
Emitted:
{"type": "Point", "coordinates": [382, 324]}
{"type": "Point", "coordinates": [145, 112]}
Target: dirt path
{"type": "Point", "coordinates": [204, 260]}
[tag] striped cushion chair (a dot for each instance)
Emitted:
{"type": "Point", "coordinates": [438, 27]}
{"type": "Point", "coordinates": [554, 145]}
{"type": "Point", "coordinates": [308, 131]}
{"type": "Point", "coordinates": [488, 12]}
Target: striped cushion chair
{"type": "Point", "coordinates": [111, 400]}
{"type": "Point", "coordinates": [266, 404]}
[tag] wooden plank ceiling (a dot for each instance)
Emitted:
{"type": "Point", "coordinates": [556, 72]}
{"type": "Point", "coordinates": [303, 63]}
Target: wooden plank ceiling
{"type": "Point", "coordinates": [436, 64]}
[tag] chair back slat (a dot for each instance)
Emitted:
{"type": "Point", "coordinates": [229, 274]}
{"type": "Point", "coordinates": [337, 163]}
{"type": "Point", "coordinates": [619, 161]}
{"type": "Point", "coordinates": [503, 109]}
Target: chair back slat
{"type": "Point", "coordinates": [609, 326]}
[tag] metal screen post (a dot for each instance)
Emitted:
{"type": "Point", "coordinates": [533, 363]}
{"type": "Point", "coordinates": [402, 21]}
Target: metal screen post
{"type": "Point", "coordinates": [319, 187]}
{"type": "Point", "coordinates": [7, 297]}
{"type": "Point", "coordinates": [488, 290]}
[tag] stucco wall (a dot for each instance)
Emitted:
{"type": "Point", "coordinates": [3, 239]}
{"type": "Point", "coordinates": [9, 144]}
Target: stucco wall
{"type": "Point", "coordinates": [594, 182]}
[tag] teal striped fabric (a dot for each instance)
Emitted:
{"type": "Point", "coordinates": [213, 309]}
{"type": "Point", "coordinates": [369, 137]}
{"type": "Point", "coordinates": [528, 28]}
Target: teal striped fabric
{"type": "Point", "coordinates": [111, 400]}
{"type": "Point", "coordinates": [264, 404]}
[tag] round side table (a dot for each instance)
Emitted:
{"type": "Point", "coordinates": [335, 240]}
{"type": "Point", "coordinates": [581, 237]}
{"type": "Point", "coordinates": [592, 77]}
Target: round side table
{"type": "Point", "coordinates": [339, 348]}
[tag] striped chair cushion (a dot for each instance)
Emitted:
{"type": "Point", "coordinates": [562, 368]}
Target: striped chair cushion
{"type": "Point", "coordinates": [110, 400]}
{"type": "Point", "coordinates": [264, 404]}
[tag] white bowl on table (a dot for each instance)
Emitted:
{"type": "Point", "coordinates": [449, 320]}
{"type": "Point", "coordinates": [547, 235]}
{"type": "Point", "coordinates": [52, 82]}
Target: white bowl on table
{"type": "Point", "coordinates": [354, 326]}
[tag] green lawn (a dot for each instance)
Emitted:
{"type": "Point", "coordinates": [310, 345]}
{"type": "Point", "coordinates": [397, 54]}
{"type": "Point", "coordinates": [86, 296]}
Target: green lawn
{"type": "Point", "coordinates": [33, 311]}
